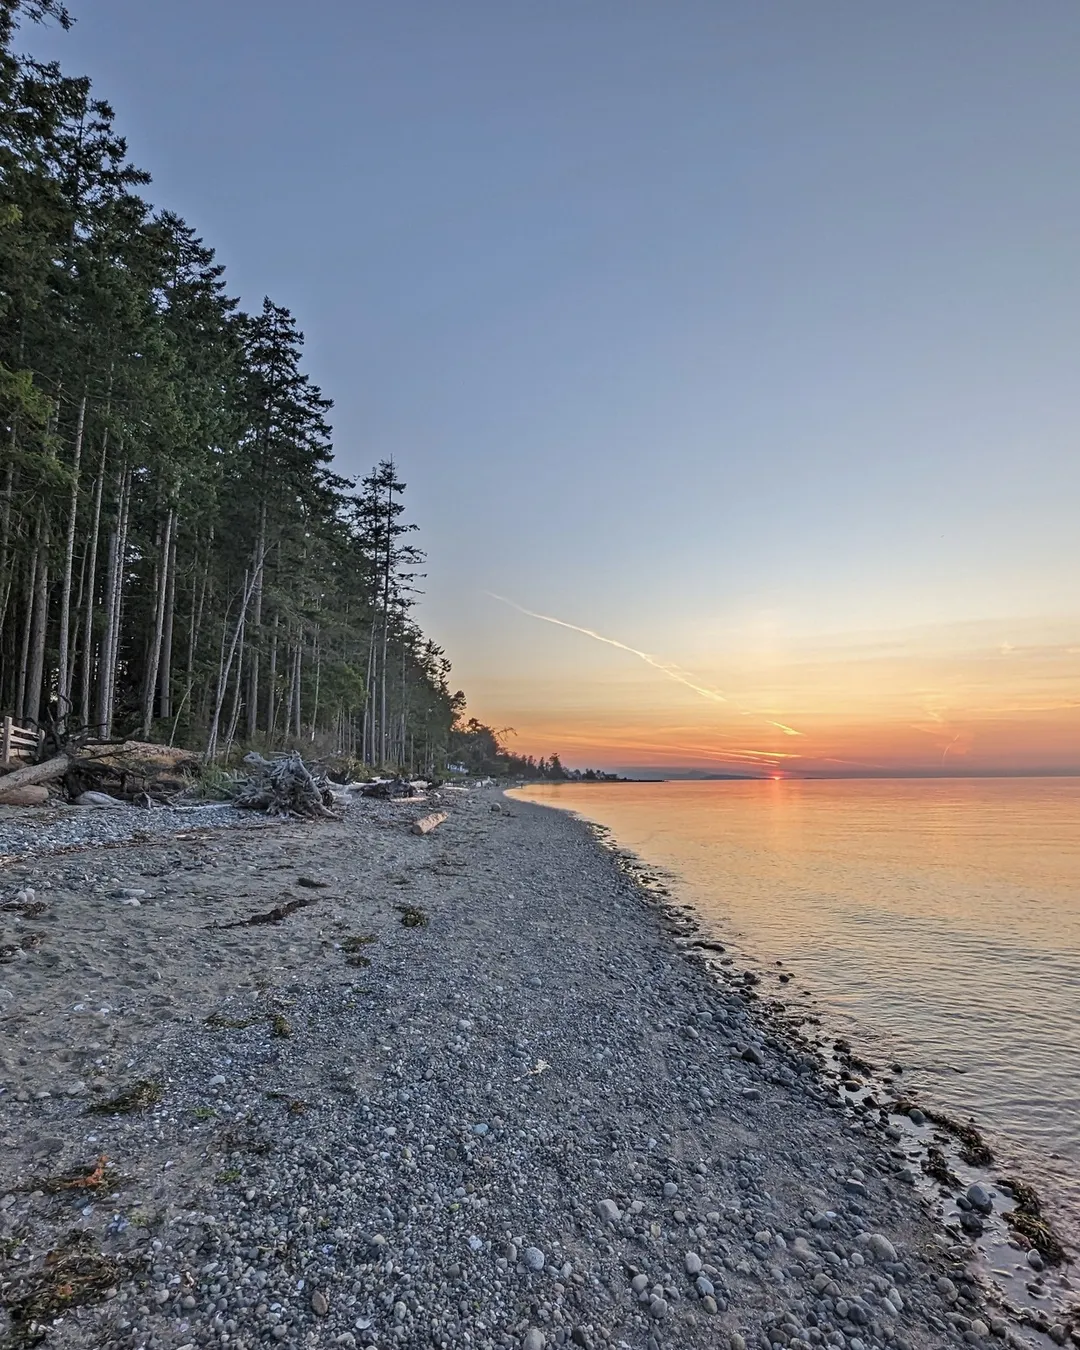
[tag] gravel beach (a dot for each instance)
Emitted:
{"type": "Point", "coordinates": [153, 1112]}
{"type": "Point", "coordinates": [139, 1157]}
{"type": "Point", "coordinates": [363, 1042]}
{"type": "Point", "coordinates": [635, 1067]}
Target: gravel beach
{"type": "Point", "coordinates": [471, 1091]}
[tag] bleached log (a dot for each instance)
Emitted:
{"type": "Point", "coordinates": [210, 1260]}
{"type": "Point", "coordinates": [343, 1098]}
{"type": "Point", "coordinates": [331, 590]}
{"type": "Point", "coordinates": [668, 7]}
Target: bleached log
{"type": "Point", "coordinates": [34, 795]}
{"type": "Point", "coordinates": [34, 773]}
{"type": "Point", "coordinates": [427, 823]}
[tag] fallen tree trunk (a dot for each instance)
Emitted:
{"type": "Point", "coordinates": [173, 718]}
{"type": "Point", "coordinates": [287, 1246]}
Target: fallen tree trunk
{"type": "Point", "coordinates": [427, 823]}
{"type": "Point", "coordinates": [34, 773]}
{"type": "Point", "coordinates": [34, 795]}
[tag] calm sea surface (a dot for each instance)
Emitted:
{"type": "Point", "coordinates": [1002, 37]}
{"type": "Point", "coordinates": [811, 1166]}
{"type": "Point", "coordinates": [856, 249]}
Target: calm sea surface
{"type": "Point", "coordinates": [934, 922]}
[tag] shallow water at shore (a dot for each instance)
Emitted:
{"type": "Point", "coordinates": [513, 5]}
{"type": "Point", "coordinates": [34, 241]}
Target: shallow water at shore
{"type": "Point", "coordinates": [937, 923]}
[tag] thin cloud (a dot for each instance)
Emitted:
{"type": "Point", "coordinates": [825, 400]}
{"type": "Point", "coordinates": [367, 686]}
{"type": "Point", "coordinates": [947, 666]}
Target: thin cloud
{"type": "Point", "coordinates": [664, 667]}
{"type": "Point", "coordinates": [672, 672]}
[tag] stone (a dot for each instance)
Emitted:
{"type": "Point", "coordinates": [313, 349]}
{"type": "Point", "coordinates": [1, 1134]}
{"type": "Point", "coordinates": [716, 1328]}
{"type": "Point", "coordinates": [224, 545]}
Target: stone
{"type": "Point", "coordinates": [753, 1056]}
{"type": "Point", "coordinates": [881, 1247]}
{"type": "Point", "coordinates": [916, 1116]}
{"type": "Point", "coordinates": [534, 1339]}
{"type": "Point", "coordinates": [704, 1286]}
{"type": "Point", "coordinates": [692, 1262]}
{"type": "Point", "coordinates": [609, 1211]}
{"type": "Point", "coordinates": [709, 1304]}
{"type": "Point", "coordinates": [671, 1190]}
{"type": "Point", "coordinates": [658, 1309]}
{"type": "Point", "coordinates": [218, 1080]}
{"type": "Point", "coordinates": [320, 1305]}
{"type": "Point", "coordinates": [1034, 1260]}
{"type": "Point", "coordinates": [639, 1283]}
{"type": "Point", "coordinates": [980, 1197]}
{"type": "Point", "coordinates": [534, 1259]}
{"type": "Point", "coordinates": [736, 1341]}
{"type": "Point", "coordinates": [980, 1328]}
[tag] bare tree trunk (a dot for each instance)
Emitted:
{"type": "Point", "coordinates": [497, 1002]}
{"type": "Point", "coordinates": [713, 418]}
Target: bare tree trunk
{"type": "Point", "coordinates": [256, 630]}
{"type": "Point", "coordinates": [104, 675]}
{"type": "Point", "coordinates": [24, 654]}
{"type": "Point", "coordinates": [290, 699]}
{"type": "Point", "coordinates": [297, 684]}
{"type": "Point", "coordinates": [35, 678]}
{"type": "Point", "coordinates": [7, 559]}
{"type": "Point", "coordinates": [63, 680]}
{"type": "Point", "coordinates": [318, 681]}
{"type": "Point", "coordinates": [271, 691]}
{"type": "Point", "coordinates": [165, 679]}
{"type": "Point", "coordinates": [114, 655]}
{"type": "Point", "coordinates": [234, 719]}
{"type": "Point", "coordinates": [154, 656]}
{"type": "Point", "coordinates": [198, 605]}
{"type": "Point", "coordinates": [88, 622]}
{"type": "Point", "coordinates": [226, 668]}
{"type": "Point", "coordinates": [114, 595]}
{"type": "Point", "coordinates": [383, 728]}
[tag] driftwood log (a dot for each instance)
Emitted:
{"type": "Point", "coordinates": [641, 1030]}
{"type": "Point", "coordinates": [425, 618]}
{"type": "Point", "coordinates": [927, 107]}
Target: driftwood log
{"type": "Point", "coordinates": [33, 773]}
{"type": "Point", "coordinates": [389, 789]}
{"type": "Point", "coordinates": [130, 771]}
{"type": "Point", "coordinates": [285, 786]}
{"type": "Point", "coordinates": [34, 795]}
{"type": "Point", "coordinates": [427, 823]}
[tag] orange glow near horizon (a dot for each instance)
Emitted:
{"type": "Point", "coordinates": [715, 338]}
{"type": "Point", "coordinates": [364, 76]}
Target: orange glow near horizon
{"type": "Point", "coordinates": [958, 701]}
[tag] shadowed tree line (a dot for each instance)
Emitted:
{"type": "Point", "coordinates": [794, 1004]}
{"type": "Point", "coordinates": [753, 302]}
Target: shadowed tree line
{"type": "Point", "coordinates": [479, 750]}
{"type": "Point", "coordinates": [178, 557]}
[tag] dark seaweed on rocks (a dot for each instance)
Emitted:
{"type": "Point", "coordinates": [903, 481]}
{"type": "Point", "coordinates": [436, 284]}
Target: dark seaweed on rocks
{"type": "Point", "coordinates": [139, 1097]}
{"type": "Point", "coordinates": [1027, 1219]}
{"type": "Point", "coordinates": [72, 1274]}
{"type": "Point", "coordinates": [934, 1165]}
{"type": "Point", "coordinates": [411, 916]}
{"type": "Point", "coordinates": [974, 1149]}
{"type": "Point", "coordinates": [274, 915]}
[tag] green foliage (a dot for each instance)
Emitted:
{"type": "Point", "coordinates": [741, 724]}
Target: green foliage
{"type": "Point", "coordinates": [480, 751]}
{"type": "Point", "coordinates": [178, 556]}
{"type": "Point", "coordinates": [215, 784]}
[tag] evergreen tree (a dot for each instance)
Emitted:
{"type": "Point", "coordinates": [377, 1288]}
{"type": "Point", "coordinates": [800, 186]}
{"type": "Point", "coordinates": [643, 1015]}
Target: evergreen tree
{"type": "Point", "coordinates": [178, 556]}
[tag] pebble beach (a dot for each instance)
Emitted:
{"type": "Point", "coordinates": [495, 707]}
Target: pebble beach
{"type": "Point", "coordinates": [336, 1084]}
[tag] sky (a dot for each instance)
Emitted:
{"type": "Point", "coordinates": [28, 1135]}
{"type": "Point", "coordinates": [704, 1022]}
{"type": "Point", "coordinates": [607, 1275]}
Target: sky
{"type": "Point", "coordinates": [743, 336]}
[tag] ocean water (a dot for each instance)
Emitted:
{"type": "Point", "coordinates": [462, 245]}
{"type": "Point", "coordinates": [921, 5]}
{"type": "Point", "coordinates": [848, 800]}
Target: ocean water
{"type": "Point", "coordinates": [936, 923]}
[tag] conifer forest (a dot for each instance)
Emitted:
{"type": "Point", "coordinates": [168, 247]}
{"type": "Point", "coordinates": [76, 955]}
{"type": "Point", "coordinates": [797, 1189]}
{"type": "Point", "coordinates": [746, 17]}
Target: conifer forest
{"type": "Point", "coordinates": [179, 558]}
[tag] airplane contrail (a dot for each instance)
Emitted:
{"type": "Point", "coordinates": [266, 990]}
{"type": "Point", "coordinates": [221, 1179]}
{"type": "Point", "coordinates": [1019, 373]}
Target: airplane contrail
{"type": "Point", "coordinates": [672, 672]}
{"type": "Point", "coordinates": [664, 667]}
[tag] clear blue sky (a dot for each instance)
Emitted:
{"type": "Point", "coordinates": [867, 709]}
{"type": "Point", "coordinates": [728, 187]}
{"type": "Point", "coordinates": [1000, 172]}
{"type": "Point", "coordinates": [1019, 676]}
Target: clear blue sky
{"type": "Point", "coordinates": [721, 328]}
